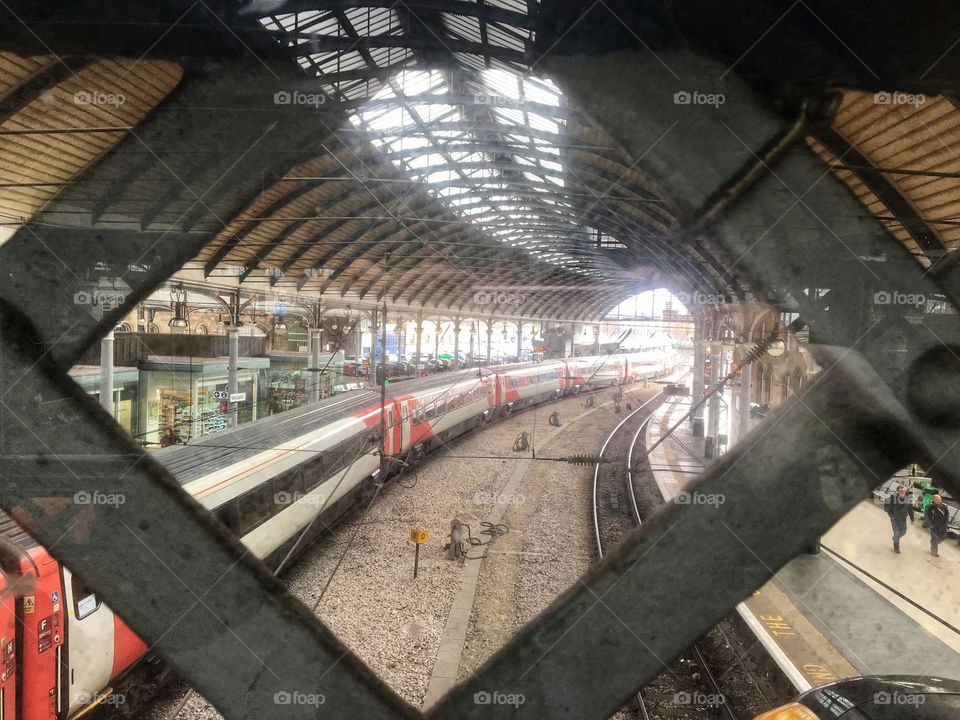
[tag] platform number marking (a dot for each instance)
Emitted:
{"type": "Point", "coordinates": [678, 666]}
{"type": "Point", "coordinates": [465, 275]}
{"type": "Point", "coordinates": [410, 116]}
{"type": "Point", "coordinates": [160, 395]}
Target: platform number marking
{"type": "Point", "coordinates": [420, 537]}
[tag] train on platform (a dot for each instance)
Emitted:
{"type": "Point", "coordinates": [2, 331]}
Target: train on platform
{"type": "Point", "coordinates": [276, 483]}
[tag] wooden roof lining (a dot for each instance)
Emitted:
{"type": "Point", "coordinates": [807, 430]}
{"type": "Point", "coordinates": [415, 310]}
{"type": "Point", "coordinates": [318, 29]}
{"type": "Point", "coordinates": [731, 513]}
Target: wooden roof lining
{"type": "Point", "coordinates": [44, 155]}
{"type": "Point", "coordinates": [872, 204]}
{"type": "Point", "coordinates": [16, 70]}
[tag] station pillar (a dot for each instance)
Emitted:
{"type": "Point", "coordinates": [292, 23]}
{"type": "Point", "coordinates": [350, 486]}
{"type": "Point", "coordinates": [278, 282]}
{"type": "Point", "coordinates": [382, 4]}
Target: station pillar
{"type": "Point", "coordinates": [233, 363]}
{"type": "Point", "coordinates": [743, 422]}
{"type": "Point", "coordinates": [596, 339]}
{"type": "Point", "coordinates": [375, 317]}
{"type": "Point", "coordinates": [473, 338]}
{"type": "Point", "coordinates": [519, 340]}
{"type": "Point", "coordinates": [489, 338]}
{"type": "Point", "coordinates": [106, 372]}
{"type": "Point", "coordinates": [456, 343]}
{"type": "Point", "coordinates": [698, 380]}
{"type": "Point", "coordinates": [419, 335]}
{"type": "Point", "coordinates": [716, 372]}
{"type": "Point", "coordinates": [436, 339]}
{"type": "Point", "coordinates": [313, 373]}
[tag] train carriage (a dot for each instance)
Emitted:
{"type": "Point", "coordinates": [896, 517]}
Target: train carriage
{"type": "Point", "coordinates": [275, 484]}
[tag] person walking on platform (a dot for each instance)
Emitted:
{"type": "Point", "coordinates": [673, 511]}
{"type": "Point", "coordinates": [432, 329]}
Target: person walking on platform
{"type": "Point", "coordinates": [938, 516]}
{"type": "Point", "coordinates": [898, 506]}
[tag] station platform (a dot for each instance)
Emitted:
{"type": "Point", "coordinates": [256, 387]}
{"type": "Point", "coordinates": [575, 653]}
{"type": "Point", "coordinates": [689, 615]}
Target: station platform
{"type": "Point", "coordinates": [856, 607]}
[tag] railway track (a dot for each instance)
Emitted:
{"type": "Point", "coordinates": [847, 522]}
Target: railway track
{"type": "Point", "coordinates": [688, 687]}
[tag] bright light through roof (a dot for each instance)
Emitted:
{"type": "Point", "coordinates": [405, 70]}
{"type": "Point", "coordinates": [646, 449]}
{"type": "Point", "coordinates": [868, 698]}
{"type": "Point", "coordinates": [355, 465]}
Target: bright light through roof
{"type": "Point", "coordinates": [488, 147]}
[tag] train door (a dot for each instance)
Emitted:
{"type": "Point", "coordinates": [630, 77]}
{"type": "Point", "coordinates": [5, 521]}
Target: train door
{"type": "Point", "coordinates": [8, 648]}
{"type": "Point", "coordinates": [90, 642]}
{"type": "Point", "coordinates": [390, 420]}
{"type": "Point", "coordinates": [405, 420]}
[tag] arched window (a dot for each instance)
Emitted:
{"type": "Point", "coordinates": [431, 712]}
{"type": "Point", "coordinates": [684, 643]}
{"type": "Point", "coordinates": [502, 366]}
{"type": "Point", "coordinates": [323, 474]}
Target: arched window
{"type": "Point", "coordinates": [122, 328]}
{"type": "Point", "coordinates": [201, 330]}
{"type": "Point", "coordinates": [153, 328]}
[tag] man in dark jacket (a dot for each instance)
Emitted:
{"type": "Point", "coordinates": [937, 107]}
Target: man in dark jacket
{"type": "Point", "coordinates": [938, 516]}
{"type": "Point", "coordinates": [898, 507]}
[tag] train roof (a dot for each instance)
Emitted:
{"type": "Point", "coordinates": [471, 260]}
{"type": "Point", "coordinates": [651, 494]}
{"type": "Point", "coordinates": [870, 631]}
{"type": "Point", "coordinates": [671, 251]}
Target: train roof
{"type": "Point", "coordinates": [212, 452]}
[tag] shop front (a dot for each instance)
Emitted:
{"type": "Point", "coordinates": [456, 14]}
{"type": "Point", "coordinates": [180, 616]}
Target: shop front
{"type": "Point", "coordinates": [186, 394]}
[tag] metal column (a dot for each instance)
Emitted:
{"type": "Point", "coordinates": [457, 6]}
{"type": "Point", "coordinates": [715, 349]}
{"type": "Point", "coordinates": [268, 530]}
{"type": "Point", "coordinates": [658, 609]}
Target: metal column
{"type": "Point", "coordinates": [313, 373]}
{"type": "Point", "coordinates": [713, 417]}
{"type": "Point", "coordinates": [373, 346]}
{"type": "Point", "coordinates": [106, 372]}
{"type": "Point", "coordinates": [519, 340]}
{"type": "Point", "coordinates": [743, 423]}
{"type": "Point", "coordinates": [489, 338]}
{"type": "Point", "coordinates": [456, 344]}
{"type": "Point", "coordinates": [473, 341]}
{"type": "Point", "coordinates": [233, 362]}
{"type": "Point", "coordinates": [419, 336]}
{"type": "Point", "coordinates": [698, 380]}
{"type": "Point", "coordinates": [596, 340]}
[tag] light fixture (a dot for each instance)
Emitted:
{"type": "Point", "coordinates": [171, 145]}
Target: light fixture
{"type": "Point", "coordinates": [178, 297]}
{"type": "Point", "coordinates": [281, 306]}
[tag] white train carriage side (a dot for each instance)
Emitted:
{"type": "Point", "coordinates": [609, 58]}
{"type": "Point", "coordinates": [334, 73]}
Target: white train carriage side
{"type": "Point", "coordinates": [521, 386]}
{"type": "Point", "coordinates": [268, 499]}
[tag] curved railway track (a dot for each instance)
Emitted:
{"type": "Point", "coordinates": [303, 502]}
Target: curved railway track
{"type": "Point", "coordinates": [688, 680]}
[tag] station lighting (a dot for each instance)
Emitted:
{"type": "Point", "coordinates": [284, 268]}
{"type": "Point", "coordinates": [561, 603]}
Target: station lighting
{"type": "Point", "coordinates": [178, 296]}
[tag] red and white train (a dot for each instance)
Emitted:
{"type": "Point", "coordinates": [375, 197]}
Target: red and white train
{"type": "Point", "coordinates": [65, 653]}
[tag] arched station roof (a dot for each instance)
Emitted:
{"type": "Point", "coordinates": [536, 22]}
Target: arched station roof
{"type": "Point", "coordinates": [422, 154]}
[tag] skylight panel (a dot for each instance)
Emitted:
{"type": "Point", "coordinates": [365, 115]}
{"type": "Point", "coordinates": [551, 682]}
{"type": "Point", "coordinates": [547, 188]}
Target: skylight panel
{"type": "Point", "coordinates": [496, 36]}
{"type": "Point", "coordinates": [466, 28]}
{"type": "Point", "coordinates": [372, 21]}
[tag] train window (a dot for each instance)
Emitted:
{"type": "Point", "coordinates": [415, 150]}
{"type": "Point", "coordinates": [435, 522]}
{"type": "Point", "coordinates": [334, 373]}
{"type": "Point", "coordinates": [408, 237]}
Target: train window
{"type": "Point", "coordinates": [85, 603]}
{"type": "Point", "coordinates": [351, 450]}
{"type": "Point", "coordinates": [287, 485]}
{"type": "Point", "coordinates": [227, 514]}
{"type": "Point", "coordinates": [313, 473]}
{"type": "Point", "coordinates": [333, 461]}
{"type": "Point", "coordinates": [255, 507]}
